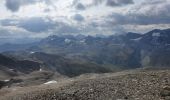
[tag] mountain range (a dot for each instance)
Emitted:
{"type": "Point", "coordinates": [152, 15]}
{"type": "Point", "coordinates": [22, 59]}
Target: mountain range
{"type": "Point", "coordinates": [130, 50]}
{"type": "Point", "coordinates": [70, 58]}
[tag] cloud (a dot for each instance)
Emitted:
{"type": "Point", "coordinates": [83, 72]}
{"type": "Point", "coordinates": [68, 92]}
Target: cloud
{"type": "Point", "coordinates": [13, 32]}
{"type": "Point", "coordinates": [36, 24]}
{"type": "Point", "coordinates": [67, 29]}
{"type": "Point", "coordinates": [153, 2]}
{"type": "Point", "coordinates": [144, 14]}
{"type": "Point", "coordinates": [88, 16]}
{"type": "Point", "coordinates": [114, 3]}
{"type": "Point", "coordinates": [80, 6]}
{"type": "Point", "coordinates": [78, 17]}
{"type": "Point", "coordinates": [8, 22]}
{"type": "Point", "coordinates": [14, 5]}
{"type": "Point", "coordinates": [39, 25]}
{"type": "Point", "coordinates": [33, 24]}
{"type": "Point", "coordinates": [4, 33]}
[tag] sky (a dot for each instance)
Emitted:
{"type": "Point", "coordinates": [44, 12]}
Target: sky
{"type": "Point", "coordinates": [41, 18]}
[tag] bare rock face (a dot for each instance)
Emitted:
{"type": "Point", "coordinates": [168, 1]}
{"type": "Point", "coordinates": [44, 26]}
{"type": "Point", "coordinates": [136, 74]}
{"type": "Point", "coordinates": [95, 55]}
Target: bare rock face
{"type": "Point", "coordinates": [2, 83]}
{"type": "Point", "coordinates": [23, 66]}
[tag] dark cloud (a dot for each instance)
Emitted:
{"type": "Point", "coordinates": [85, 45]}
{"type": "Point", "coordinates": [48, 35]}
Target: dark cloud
{"type": "Point", "coordinates": [47, 10]}
{"type": "Point", "coordinates": [152, 12]}
{"type": "Point", "coordinates": [36, 24]}
{"type": "Point", "coordinates": [40, 25]}
{"type": "Point", "coordinates": [113, 3]}
{"type": "Point", "coordinates": [12, 32]}
{"type": "Point", "coordinates": [67, 29]}
{"type": "Point", "coordinates": [9, 35]}
{"type": "Point", "coordinates": [80, 6]}
{"type": "Point", "coordinates": [153, 2]}
{"type": "Point", "coordinates": [78, 17]}
{"type": "Point", "coordinates": [144, 14]}
{"type": "Point", "coordinates": [4, 33]}
{"type": "Point", "coordinates": [14, 5]}
{"type": "Point", "coordinates": [138, 19]}
{"type": "Point", "coordinates": [8, 22]}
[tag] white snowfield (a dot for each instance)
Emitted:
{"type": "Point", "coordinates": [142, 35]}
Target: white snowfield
{"type": "Point", "coordinates": [51, 82]}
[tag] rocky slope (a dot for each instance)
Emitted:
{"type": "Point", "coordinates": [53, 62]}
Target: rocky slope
{"type": "Point", "coordinates": [15, 65]}
{"type": "Point", "coordinates": [61, 64]}
{"type": "Point", "coordinates": [22, 72]}
{"type": "Point", "coordinates": [38, 68]}
{"type": "Point", "coordinates": [127, 85]}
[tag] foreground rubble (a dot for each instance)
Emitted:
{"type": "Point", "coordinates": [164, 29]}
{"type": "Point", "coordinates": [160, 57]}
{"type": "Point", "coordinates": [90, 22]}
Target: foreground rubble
{"type": "Point", "coordinates": [128, 85]}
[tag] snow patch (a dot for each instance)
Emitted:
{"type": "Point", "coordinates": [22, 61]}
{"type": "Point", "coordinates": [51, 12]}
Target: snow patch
{"type": "Point", "coordinates": [156, 34]}
{"type": "Point", "coordinates": [67, 40]}
{"type": "Point", "coordinates": [40, 69]}
{"type": "Point", "coordinates": [50, 82]}
{"type": "Point", "coordinates": [6, 80]}
{"type": "Point", "coordinates": [32, 52]}
{"type": "Point", "coordinates": [82, 41]}
{"type": "Point", "coordinates": [137, 39]}
{"type": "Point", "coordinates": [11, 69]}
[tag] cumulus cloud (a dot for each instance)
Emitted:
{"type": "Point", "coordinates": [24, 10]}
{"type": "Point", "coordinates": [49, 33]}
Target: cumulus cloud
{"type": "Point", "coordinates": [4, 33]}
{"type": "Point", "coordinates": [13, 32]}
{"type": "Point", "coordinates": [80, 6]}
{"type": "Point", "coordinates": [67, 29]}
{"type": "Point", "coordinates": [14, 5]}
{"type": "Point", "coordinates": [90, 16]}
{"type": "Point", "coordinates": [113, 3]}
{"type": "Point", "coordinates": [144, 14]}
{"type": "Point", "coordinates": [36, 24]}
{"type": "Point", "coordinates": [78, 17]}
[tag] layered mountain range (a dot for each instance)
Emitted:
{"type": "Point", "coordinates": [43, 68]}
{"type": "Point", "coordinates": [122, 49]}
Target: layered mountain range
{"type": "Point", "coordinates": [63, 60]}
{"type": "Point", "coordinates": [74, 55]}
